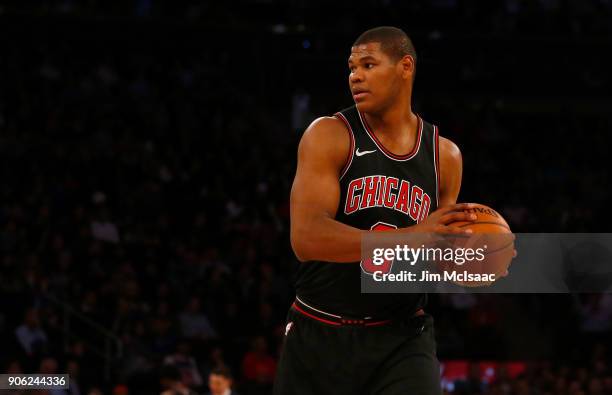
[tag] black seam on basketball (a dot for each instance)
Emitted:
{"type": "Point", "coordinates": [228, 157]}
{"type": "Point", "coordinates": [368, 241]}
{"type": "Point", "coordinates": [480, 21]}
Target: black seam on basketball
{"type": "Point", "coordinates": [484, 222]}
{"type": "Point", "coordinates": [501, 248]}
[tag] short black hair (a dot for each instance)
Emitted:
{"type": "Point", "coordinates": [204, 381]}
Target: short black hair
{"type": "Point", "coordinates": [393, 41]}
{"type": "Point", "coordinates": [222, 371]}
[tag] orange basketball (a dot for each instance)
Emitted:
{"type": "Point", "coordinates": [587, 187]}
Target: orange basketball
{"type": "Point", "coordinates": [493, 237]}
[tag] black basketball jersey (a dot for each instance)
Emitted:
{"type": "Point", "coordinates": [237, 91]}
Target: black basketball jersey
{"type": "Point", "coordinates": [378, 190]}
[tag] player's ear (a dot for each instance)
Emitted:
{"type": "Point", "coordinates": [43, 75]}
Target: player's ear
{"type": "Point", "coordinates": [407, 65]}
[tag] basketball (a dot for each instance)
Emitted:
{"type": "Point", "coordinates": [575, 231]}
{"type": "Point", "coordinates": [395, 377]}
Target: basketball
{"type": "Point", "coordinates": [493, 236]}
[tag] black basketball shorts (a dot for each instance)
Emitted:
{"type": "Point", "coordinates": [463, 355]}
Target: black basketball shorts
{"type": "Point", "coordinates": [398, 358]}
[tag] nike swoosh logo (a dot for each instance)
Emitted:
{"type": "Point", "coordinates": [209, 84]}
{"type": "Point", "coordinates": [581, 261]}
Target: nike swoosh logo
{"type": "Point", "coordinates": [363, 152]}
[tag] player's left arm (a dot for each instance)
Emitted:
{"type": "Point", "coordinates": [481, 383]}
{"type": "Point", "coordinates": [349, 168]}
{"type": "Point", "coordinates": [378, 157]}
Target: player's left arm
{"type": "Point", "coordinates": [451, 169]}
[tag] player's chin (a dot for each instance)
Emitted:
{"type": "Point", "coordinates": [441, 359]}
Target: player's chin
{"type": "Point", "coordinates": [364, 105]}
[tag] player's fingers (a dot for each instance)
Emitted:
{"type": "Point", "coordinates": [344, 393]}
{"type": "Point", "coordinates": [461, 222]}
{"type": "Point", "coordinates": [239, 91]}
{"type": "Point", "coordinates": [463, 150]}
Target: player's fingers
{"type": "Point", "coordinates": [514, 254]}
{"type": "Point", "coordinates": [456, 217]}
{"type": "Point", "coordinates": [453, 230]}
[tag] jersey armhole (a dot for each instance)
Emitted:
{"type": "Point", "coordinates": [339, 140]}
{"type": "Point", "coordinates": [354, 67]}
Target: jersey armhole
{"type": "Point", "coordinates": [436, 147]}
{"type": "Point", "coordinates": [349, 158]}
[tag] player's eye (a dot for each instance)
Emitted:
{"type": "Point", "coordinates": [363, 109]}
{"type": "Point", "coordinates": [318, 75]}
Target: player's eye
{"type": "Point", "coordinates": [369, 65]}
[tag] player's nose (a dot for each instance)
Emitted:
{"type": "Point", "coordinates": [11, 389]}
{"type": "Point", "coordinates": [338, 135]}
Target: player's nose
{"type": "Point", "coordinates": [355, 77]}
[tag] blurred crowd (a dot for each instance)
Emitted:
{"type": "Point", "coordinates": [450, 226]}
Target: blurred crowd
{"type": "Point", "coordinates": [144, 199]}
{"type": "Point", "coordinates": [579, 17]}
{"type": "Point", "coordinates": [542, 379]}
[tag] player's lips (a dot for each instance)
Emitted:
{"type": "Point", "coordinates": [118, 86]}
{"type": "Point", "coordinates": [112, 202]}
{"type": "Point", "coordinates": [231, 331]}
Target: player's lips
{"type": "Point", "coordinates": [359, 94]}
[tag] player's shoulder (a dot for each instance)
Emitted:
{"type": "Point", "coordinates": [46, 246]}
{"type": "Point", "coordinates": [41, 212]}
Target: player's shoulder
{"type": "Point", "coordinates": [449, 151]}
{"type": "Point", "coordinates": [327, 137]}
{"type": "Point", "coordinates": [326, 129]}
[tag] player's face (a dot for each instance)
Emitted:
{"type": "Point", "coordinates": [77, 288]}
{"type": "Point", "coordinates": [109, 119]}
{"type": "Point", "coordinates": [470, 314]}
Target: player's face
{"type": "Point", "coordinates": [375, 79]}
{"type": "Point", "coordinates": [218, 384]}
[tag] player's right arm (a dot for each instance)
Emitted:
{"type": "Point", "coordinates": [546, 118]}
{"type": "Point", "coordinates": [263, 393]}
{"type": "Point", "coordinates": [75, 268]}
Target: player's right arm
{"type": "Point", "coordinates": [315, 194]}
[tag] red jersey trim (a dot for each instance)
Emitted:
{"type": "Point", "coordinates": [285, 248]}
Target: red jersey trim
{"type": "Point", "coordinates": [349, 160]}
{"type": "Point", "coordinates": [437, 163]}
{"type": "Point", "coordinates": [314, 317]}
{"type": "Point", "coordinates": [342, 323]}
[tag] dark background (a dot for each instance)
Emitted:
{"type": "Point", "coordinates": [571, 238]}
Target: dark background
{"type": "Point", "coordinates": [148, 147]}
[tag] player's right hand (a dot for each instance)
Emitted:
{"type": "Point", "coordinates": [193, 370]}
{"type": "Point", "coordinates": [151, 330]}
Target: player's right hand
{"type": "Point", "coordinates": [440, 221]}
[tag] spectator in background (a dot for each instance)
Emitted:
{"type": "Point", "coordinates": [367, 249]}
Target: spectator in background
{"type": "Point", "coordinates": [103, 228]}
{"type": "Point", "coordinates": [84, 363]}
{"type": "Point", "coordinates": [258, 366]}
{"type": "Point", "coordinates": [186, 364]}
{"type": "Point", "coordinates": [502, 380]}
{"type": "Point", "coordinates": [170, 380]}
{"type": "Point", "coordinates": [194, 323]}
{"type": "Point", "coordinates": [220, 382]}
{"type": "Point", "coordinates": [596, 312]}
{"type": "Point", "coordinates": [30, 335]}
{"type": "Point", "coordinates": [72, 368]}
{"type": "Point", "coordinates": [48, 366]}
{"type": "Point", "coordinates": [216, 360]}
{"type": "Point", "coordinates": [13, 367]}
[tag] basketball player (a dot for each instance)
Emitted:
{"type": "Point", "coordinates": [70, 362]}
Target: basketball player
{"type": "Point", "coordinates": [376, 165]}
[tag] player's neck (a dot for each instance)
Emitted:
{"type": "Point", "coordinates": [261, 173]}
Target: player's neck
{"type": "Point", "coordinates": [396, 121]}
